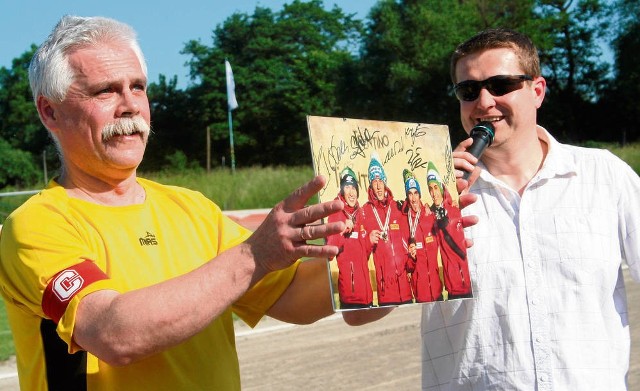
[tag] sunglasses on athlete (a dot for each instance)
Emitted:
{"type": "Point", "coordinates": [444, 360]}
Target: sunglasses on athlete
{"type": "Point", "coordinates": [498, 85]}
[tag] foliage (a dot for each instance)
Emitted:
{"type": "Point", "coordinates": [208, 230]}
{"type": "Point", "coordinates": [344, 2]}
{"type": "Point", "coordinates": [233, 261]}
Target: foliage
{"type": "Point", "coordinates": [22, 136]}
{"type": "Point", "coordinates": [285, 66]}
{"type": "Point", "coordinates": [16, 166]}
{"type": "Point", "coordinates": [573, 66]}
{"type": "Point", "coordinates": [175, 124]}
{"type": "Point", "coordinates": [621, 102]}
{"type": "Point", "coordinates": [404, 66]}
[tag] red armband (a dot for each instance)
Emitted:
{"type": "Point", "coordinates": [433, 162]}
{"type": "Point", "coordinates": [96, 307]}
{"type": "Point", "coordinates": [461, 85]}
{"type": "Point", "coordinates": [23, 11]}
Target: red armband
{"type": "Point", "coordinates": [66, 284]}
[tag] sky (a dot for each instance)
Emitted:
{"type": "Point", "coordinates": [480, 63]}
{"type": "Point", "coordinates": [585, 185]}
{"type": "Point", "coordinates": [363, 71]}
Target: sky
{"type": "Point", "coordinates": [163, 26]}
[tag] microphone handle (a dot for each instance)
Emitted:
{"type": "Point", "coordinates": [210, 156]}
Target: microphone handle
{"type": "Point", "coordinates": [481, 140]}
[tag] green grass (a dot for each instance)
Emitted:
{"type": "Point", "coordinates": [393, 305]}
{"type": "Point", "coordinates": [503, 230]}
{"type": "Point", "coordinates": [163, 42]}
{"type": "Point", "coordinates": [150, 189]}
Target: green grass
{"type": "Point", "coordinates": [629, 153]}
{"type": "Point", "coordinates": [6, 341]}
{"type": "Point", "coordinates": [248, 188]}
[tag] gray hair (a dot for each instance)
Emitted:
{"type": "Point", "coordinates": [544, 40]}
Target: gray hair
{"type": "Point", "coordinates": [50, 74]}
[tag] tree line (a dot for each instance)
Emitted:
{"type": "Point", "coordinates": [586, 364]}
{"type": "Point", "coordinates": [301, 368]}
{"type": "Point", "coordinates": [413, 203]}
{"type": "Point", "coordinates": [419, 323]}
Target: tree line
{"type": "Point", "coordinates": [306, 59]}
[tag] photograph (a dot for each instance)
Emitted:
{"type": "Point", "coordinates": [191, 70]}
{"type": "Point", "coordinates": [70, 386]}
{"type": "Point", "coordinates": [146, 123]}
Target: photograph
{"type": "Point", "coordinates": [404, 241]}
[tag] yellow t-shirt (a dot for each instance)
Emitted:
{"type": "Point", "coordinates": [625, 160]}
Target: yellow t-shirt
{"type": "Point", "coordinates": [173, 232]}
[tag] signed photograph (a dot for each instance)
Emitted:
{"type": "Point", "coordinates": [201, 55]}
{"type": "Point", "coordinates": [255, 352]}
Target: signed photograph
{"type": "Point", "coordinates": [403, 242]}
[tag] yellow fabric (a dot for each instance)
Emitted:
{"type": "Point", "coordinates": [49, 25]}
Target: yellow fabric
{"type": "Point", "coordinates": [173, 232]}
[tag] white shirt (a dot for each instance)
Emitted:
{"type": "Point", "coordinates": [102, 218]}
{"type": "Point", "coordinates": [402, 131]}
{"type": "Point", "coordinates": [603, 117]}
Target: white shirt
{"type": "Point", "coordinates": [549, 310]}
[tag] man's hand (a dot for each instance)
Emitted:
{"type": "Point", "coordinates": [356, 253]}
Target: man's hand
{"type": "Point", "coordinates": [374, 236]}
{"type": "Point", "coordinates": [412, 250]}
{"type": "Point", "coordinates": [465, 162]}
{"type": "Point", "coordinates": [348, 227]}
{"type": "Point", "coordinates": [282, 237]}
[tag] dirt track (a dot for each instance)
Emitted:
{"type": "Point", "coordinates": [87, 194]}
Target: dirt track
{"type": "Point", "coordinates": [380, 356]}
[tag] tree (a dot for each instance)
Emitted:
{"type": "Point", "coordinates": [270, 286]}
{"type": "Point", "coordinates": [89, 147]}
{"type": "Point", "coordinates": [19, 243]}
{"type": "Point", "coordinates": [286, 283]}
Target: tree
{"type": "Point", "coordinates": [286, 66]}
{"type": "Point", "coordinates": [404, 69]}
{"type": "Point", "coordinates": [174, 125]}
{"type": "Point", "coordinates": [619, 107]}
{"type": "Point", "coordinates": [23, 138]}
{"type": "Point", "coordinates": [573, 66]}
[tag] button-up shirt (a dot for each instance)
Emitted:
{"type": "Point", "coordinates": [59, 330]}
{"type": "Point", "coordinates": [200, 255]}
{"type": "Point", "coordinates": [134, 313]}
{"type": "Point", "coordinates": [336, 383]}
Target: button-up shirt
{"type": "Point", "coordinates": [549, 310]}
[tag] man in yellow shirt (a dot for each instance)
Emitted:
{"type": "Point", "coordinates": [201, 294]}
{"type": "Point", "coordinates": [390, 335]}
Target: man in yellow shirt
{"type": "Point", "coordinates": [113, 282]}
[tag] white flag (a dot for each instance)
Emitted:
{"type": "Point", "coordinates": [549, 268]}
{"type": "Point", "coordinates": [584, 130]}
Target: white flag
{"type": "Point", "coordinates": [231, 87]}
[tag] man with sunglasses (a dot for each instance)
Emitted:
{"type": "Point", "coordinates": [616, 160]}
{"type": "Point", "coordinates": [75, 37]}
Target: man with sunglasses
{"type": "Point", "coordinates": [556, 224]}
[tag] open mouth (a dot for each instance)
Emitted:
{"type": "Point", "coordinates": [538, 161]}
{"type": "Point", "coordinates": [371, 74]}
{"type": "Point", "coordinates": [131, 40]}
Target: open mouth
{"type": "Point", "coordinates": [489, 119]}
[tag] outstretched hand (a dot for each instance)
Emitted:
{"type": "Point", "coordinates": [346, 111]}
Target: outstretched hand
{"type": "Point", "coordinates": [283, 236]}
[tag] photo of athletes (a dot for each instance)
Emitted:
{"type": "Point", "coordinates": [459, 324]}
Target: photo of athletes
{"type": "Point", "coordinates": [403, 242]}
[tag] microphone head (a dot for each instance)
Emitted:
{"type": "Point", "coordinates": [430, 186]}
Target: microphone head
{"type": "Point", "coordinates": [484, 130]}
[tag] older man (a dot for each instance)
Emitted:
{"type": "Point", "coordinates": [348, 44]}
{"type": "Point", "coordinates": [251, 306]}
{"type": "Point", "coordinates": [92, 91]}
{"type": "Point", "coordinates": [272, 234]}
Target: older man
{"type": "Point", "coordinates": [91, 305]}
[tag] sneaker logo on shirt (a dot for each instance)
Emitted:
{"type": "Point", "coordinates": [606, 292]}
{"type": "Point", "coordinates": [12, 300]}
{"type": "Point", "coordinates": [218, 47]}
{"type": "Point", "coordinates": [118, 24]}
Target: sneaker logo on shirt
{"type": "Point", "coordinates": [148, 240]}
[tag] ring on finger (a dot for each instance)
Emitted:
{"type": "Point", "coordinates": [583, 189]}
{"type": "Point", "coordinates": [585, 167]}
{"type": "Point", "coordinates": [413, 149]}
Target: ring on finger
{"type": "Point", "coordinates": [302, 238]}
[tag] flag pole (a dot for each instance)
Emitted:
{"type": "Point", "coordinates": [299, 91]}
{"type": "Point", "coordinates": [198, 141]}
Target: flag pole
{"type": "Point", "coordinates": [232, 104]}
{"type": "Point", "coordinates": [233, 155]}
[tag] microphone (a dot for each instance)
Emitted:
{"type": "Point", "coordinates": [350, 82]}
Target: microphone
{"type": "Point", "coordinates": [482, 135]}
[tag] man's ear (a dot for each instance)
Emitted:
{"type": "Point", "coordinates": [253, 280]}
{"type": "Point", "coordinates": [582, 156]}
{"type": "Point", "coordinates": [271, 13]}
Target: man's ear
{"type": "Point", "coordinates": [539, 88]}
{"type": "Point", "coordinates": [46, 112]}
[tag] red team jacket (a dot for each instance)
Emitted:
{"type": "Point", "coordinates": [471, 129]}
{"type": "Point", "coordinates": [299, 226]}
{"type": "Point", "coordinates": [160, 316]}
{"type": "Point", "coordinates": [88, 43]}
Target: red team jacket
{"type": "Point", "coordinates": [390, 255]}
{"type": "Point", "coordinates": [425, 279]}
{"type": "Point", "coordinates": [450, 237]}
{"type": "Point", "coordinates": [354, 284]}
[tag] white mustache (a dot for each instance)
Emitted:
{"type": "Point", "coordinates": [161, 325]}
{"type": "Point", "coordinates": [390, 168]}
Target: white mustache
{"type": "Point", "coordinates": [125, 127]}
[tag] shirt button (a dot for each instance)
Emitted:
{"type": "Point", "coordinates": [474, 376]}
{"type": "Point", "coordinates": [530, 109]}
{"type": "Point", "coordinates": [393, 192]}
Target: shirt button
{"type": "Point", "coordinates": [543, 378]}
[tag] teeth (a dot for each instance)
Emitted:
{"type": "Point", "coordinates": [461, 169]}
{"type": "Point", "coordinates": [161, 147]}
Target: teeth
{"type": "Point", "coordinates": [490, 119]}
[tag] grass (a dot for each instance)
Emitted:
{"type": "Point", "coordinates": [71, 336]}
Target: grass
{"type": "Point", "coordinates": [248, 188]}
{"type": "Point", "coordinates": [629, 153]}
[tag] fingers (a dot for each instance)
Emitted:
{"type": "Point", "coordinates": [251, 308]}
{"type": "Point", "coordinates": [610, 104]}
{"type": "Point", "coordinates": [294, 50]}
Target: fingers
{"type": "Point", "coordinates": [463, 162]}
{"type": "Point", "coordinates": [317, 231]}
{"type": "Point", "coordinates": [468, 221]}
{"type": "Point", "coordinates": [461, 185]}
{"type": "Point", "coordinates": [299, 198]}
{"type": "Point", "coordinates": [468, 242]}
{"type": "Point", "coordinates": [464, 145]}
{"type": "Point", "coordinates": [467, 199]}
{"type": "Point", "coordinates": [313, 213]}
{"type": "Point", "coordinates": [283, 236]}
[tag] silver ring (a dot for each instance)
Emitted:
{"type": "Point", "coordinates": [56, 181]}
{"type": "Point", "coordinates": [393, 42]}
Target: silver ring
{"type": "Point", "coordinates": [302, 235]}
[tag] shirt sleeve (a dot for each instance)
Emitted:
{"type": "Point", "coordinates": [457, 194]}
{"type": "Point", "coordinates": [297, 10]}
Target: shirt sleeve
{"type": "Point", "coordinates": [629, 210]}
{"type": "Point", "coordinates": [30, 257]}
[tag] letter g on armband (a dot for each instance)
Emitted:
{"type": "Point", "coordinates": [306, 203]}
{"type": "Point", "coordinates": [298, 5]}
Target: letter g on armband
{"type": "Point", "coordinates": [66, 284]}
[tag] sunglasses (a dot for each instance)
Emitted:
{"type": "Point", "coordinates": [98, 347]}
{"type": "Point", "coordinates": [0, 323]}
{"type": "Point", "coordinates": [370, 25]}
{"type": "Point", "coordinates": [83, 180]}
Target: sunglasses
{"type": "Point", "coordinates": [499, 85]}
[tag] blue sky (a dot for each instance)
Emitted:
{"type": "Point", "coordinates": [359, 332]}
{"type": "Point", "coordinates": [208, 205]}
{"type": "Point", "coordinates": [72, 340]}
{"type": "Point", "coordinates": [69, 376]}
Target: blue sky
{"type": "Point", "coordinates": [163, 26]}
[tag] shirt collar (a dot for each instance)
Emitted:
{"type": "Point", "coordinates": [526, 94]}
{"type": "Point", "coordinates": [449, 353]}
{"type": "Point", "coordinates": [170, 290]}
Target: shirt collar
{"type": "Point", "coordinates": [558, 162]}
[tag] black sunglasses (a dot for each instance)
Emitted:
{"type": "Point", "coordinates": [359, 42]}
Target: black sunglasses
{"type": "Point", "coordinates": [499, 85]}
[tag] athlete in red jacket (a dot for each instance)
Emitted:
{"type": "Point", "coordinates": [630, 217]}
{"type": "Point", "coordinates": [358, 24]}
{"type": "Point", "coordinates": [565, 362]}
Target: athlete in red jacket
{"type": "Point", "coordinates": [381, 219]}
{"type": "Point", "coordinates": [354, 284]}
{"type": "Point", "coordinates": [423, 247]}
{"type": "Point", "coordinates": [450, 237]}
